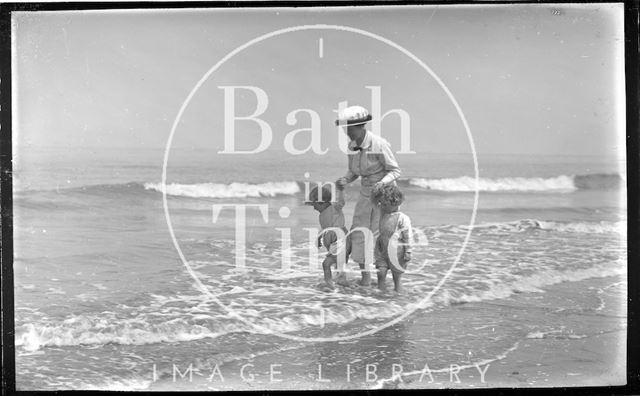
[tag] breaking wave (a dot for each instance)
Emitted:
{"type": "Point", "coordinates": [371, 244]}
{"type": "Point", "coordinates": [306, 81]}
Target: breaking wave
{"type": "Point", "coordinates": [600, 227]}
{"type": "Point", "coordinates": [557, 184]}
{"type": "Point", "coordinates": [562, 183]}
{"type": "Point", "coordinates": [232, 190]}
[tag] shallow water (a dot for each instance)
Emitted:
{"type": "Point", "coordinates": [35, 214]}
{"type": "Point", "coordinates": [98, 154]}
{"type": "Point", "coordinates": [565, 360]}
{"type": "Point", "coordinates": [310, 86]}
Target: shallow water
{"type": "Point", "coordinates": [102, 295]}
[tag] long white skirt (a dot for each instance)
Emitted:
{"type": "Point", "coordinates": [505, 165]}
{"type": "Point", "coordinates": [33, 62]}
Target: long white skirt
{"type": "Point", "coordinates": [366, 215]}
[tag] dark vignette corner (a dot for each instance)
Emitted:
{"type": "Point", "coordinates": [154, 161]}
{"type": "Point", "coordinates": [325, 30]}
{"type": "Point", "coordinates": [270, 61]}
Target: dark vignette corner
{"type": "Point", "coordinates": [6, 231]}
{"type": "Point", "coordinates": [633, 183]}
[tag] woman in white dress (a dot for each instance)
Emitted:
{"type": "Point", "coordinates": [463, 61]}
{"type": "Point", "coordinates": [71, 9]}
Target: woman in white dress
{"type": "Point", "coordinates": [372, 160]}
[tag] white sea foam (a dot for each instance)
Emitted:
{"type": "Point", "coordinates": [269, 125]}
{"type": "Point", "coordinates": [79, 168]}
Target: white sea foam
{"type": "Point", "coordinates": [530, 283]}
{"type": "Point", "coordinates": [119, 385]}
{"type": "Point", "coordinates": [601, 227]}
{"type": "Point", "coordinates": [503, 259]}
{"type": "Point", "coordinates": [81, 330]}
{"type": "Point", "coordinates": [232, 190]}
{"type": "Point", "coordinates": [561, 183]}
{"type": "Point", "coordinates": [593, 227]}
{"type": "Point", "coordinates": [189, 323]}
{"type": "Point", "coordinates": [557, 334]}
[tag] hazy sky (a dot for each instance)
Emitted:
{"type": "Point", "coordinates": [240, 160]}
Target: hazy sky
{"type": "Point", "coordinates": [530, 79]}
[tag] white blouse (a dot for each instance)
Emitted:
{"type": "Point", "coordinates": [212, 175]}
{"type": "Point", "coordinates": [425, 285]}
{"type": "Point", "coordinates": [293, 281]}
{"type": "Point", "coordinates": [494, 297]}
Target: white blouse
{"type": "Point", "coordinates": [373, 163]}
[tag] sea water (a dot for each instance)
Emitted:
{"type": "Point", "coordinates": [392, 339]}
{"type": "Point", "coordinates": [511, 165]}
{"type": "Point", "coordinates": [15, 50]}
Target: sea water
{"type": "Point", "coordinates": [104, 301]}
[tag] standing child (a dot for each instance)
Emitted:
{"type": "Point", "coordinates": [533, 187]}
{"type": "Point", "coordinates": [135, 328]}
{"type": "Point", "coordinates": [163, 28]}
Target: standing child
{"type": "Point", "coordinates": [393, 246]}
{"type": "Point", "coordinates": [331, 218]}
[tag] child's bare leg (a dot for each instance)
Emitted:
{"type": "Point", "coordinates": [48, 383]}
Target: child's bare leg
{"type": "Point", "coordinates": [326, 267]}
{"type": "Point", "coordinates": [366, 276]}
{"type": "Point", "coordinates": [397, 285]}
{"type": "Point", "coordinates": [341, 279]}
{"type": "Point", "coordinates": [382, 278]}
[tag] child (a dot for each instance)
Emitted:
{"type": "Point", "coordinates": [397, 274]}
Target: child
{"type": "Point", "coordinates": [393, 246]}
{"type": "Point", "coordinates": [331, 216]}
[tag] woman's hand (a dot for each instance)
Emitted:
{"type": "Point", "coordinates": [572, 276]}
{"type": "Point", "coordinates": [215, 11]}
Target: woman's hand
{"type": "Point", "coordinates": [341, 182]}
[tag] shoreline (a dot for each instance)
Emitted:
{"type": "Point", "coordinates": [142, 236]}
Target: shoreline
{"type": "Point", "coordinates": [579, 346]}
{"type": "Point", "coordinates": [570, 365]}
{"type": "Point", "coordinates": [559, 358]}
{"type": "Point", "coordinates": [562, 363]}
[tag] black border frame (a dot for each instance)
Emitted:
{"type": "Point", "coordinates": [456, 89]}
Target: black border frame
{"type": "Point", "coordinates": [632, 74]}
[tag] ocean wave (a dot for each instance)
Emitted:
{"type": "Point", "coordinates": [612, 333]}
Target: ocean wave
{"type": "Point", "coordinates": [595, 227]}
{"type": "Point", "coordinates": [602, 227]}
{"type": "Point", "coordinates": [118, 385]}
{"type": "Point", "coordinates": [182, 324]}
{"type": "Point", "coordinates": [562, 183]}
{"type": "Point", "coordinates": [232, 190]}
{"type": "Point", "coordinates": [84, 330]}
{"type": "Point", "coordinates": [556, 334]}
{"type": "Point", "coordinates": [92, 330]}
{"type": "Point", "coordinates": [534, 283]}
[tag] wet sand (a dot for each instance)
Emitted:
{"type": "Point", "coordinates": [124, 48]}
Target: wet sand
{"type": "Point", "coordinates": [587, 349]}
{"type": "Point", "coordinates": [572, 334]}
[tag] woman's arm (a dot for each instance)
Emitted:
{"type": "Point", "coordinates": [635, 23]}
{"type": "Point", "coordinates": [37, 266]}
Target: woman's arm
{"type": "Point", "coordinates": [348, 177]}
{"type": "Point", "coordinates": [339, 204]}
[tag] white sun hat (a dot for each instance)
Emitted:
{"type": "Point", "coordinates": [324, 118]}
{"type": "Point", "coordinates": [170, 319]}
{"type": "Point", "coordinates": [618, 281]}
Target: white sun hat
{"type": "Point", "coordinates": [353, 115]}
